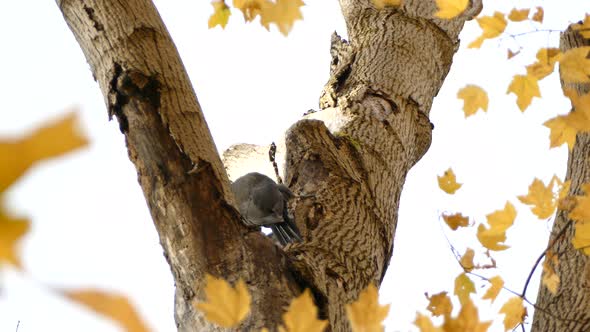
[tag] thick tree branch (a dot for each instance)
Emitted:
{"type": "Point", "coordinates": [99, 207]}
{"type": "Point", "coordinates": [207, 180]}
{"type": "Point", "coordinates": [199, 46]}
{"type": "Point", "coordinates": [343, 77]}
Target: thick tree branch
{"type": "Point", "coordinates": [145, 86]}
{"type": "Point", "coordinates": [570, 307]}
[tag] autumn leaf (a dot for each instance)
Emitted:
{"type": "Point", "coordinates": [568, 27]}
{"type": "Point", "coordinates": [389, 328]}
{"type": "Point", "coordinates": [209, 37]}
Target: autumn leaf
{"type": "Point", "coordinates": [492, 27]}
{"type": "Point", "coordinates": [220, 14]}
{"type": "Point", "coordinates": [538, 15]}
{"type": "Point", "coordinates": [583, 28]}
{"type": "Point", "coordinates": [496, 286]}
{"type": "Point", "coordinates": [525, 87]}
{"type": "Point", "coordinates": [365, 314]}
{"type": "Point", "coordinates": [581, 239]}
{"type": "Point", "coordinates": [550, 279]}
{"type": "Point", "coordinates": [302, 316]}
{"type": "Point", "coordinates": [380, 4]}
{"type": "Point", "coordinates": [512, 54]}
{"type": "Point", "coordinates": [546, 59]}
{"type": "Point", "coordinates": [440, 304]}
{"type": "Point", "coordinates": [114, 306]}
{"type": "Point", "coordinates": [51, 140]}
{"type": "Point", "coordinates": [448, 182]}
{"type": "Point", "coordinates": [467, 260]}
{"type": "Point", "coordinates": [251, 8]}
{"type": "Point", "coordinates": [499, 222]}
{"type": "Point", "coordinates": [467, 320]}
{"type": "Point", "coordinates": [226, 306]}
{"type": "Point", "coordinates": [515, 313]}
{"type": "Point", "coordinates": [283, 13]}
{"type": "Point", "coordinates": [474, 98]}
{"type": "Point", "coordinates": [541, 198]}
{"type": "Point", "coordinates": [448, 9]}
{"type": "Point", "coordinates": [574, 65]}
{"type": "Point", "coordinates": [456, 220]}
{"type": "Point", "coordinates": [424, 323]}
{"type": "Point", "coordinates": [463, 287]}
{"type": "Point", "coordinates": [518, 15]}
{"type": "Point", "coordinates": [11, 231]}
{"type": "Point", "coordinates": [560, 132]}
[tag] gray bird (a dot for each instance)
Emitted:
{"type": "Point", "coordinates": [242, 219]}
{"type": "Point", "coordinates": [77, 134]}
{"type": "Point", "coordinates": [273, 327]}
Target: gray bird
{"type": "Point", "coordinates": [263, 202]}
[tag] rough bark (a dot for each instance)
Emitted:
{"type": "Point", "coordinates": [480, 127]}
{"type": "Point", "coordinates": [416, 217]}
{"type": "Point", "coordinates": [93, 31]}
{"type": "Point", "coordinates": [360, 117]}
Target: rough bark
{"type": "Point", "coordinates": [350, 167]}
{"type": "Point", "coordinates": [569, 309]}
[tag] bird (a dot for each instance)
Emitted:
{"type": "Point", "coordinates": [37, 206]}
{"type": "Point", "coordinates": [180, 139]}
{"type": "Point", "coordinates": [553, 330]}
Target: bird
{"type": "Point", "coordinates": [263, 202]}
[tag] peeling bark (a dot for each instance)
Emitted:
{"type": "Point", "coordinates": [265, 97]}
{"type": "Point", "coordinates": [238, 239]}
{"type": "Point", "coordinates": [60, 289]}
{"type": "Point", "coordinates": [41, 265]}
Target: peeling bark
{"type": "Point", "coordinates": [569, 309]}
{"type": "Point", "coordinates": [347, 162]}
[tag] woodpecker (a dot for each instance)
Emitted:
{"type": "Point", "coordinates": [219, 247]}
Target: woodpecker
{"type": "Point", "coordinates": [263, 202]}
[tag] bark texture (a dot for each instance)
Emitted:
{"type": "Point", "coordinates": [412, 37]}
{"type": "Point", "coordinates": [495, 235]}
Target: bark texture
{"type": "Point", "coordinates": [569, 309]}
{"type": "Point", "coordinates": [347, 162]}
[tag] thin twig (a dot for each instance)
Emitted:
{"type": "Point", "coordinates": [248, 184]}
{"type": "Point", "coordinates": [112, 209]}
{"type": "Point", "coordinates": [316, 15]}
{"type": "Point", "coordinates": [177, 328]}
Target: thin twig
{"type": "Point", "coordinates": [549, 247]}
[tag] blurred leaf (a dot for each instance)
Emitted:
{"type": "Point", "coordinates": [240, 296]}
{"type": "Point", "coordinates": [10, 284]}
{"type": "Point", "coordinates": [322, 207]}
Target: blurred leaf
{"type": "Point", "coordinates": [51, 140]}
{"type": "Point", "coordinates": [449, 9]}
{"type": "Point", "coordinates": [114, 306]}
{"type": "Point", "coordinates": [301, 316]}
{"type": "Point", "coordinates": [226, 306]}
{"type": "Point", "coordinates": [365, 314]}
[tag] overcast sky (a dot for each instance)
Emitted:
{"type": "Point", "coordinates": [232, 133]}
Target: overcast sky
{"type": "Point", "coordinates": [91, 226]}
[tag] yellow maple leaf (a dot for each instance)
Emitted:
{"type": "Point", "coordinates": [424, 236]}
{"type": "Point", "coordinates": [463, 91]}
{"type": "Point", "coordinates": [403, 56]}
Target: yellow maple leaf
{"type": "Point", "coordinates": [581, 239]}
{"type": "Point", "coordinates": [467, 320]}
{"type": "Point", "coordinates": [502, 219]}
{"type": "Point", "coordinates": [11, 231]}
{"type": "Point", "coordinates": [424, 323]}
{"type": "Point", "coordinates": [574, 65]}
{"type": "Point", "coordinates": [116, 307]}
{"type": "Point", "coordinates": [440, 304]}
{"type": "Point", "coordinates": [302, 316]}
{"type": "Point", "coordinates": [561, 132]}
{"type": "Point", "coordinates": [541, 198]}
{"type": "Point", "coordinates": [546, 59]}
{"type": "Point", "coordinates": [283, 13]}
{"type": "Point", "coordinates": [220, 14]}
{"type": "Point", "coordinates": [467, 260]}
{"type": "Point", "coordinates": [584, 27]}
{"type": "Point", "coordinates": [51, 140]}
{"type": "Point", "coordinates": [380, 4]}
{"type": "Point", "coordinates": [515, 312]}
{"type": "Point", "coordinates": [496, 286]}
{"type": "Point", "coordinates": [448, 182]}
{"type": "Point", "coordinates": [550, 278]}
{"type": "Point", "coordinates": [499, 222]}
{"type": "Point", "coordinates": [518, 15]}
{"type": "Point", "coordinates": [365, 314]}
{"type": "Point", "coordinates": [251, 8]}
{"type": "Point", "coordinates": [579, 117]}
{"type": "Point", "coordinates": [492, 27]}
{"type": "Point", "coordinates": [456, 220]}
{"type": "Point", "coordinates": [448, 9]}
{"type": "Point", "coordinates": [463, 287]}
{"type": "Point", "coordinates": [525, 87]}
{"type": "Point", "coordinates": [538, 15]}
{"type": "Point", "coordinates": [226, 306]}
{"type": "Point", "coordinates": [474, 98]}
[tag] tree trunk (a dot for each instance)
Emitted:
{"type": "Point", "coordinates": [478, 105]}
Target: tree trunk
{"type": "Point", "coordinates": [569, 309]}
{"type": "Point", "coordinates": [349, 169]}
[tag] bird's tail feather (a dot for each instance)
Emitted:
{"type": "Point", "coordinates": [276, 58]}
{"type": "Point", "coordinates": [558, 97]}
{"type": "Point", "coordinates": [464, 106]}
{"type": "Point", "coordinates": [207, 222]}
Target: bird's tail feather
{"type": "Point", "coordinates": [286, 232]}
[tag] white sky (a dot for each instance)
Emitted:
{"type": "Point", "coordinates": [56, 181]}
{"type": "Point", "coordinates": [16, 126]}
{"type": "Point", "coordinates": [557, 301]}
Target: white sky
{"type": "Point", "coordinates": [91, 227]}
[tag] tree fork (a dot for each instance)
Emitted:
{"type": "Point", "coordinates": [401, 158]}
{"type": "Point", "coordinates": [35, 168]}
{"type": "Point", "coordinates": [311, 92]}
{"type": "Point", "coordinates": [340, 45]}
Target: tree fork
{"type": "Point", "coordinates": [351, 167]}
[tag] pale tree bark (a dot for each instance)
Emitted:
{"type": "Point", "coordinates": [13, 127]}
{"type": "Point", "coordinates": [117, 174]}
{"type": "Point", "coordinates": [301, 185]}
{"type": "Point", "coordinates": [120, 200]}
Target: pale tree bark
{"type": "Point", "coordinates": [348, 169]}
{"type": "Point", "coordinates": [569, 309]}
